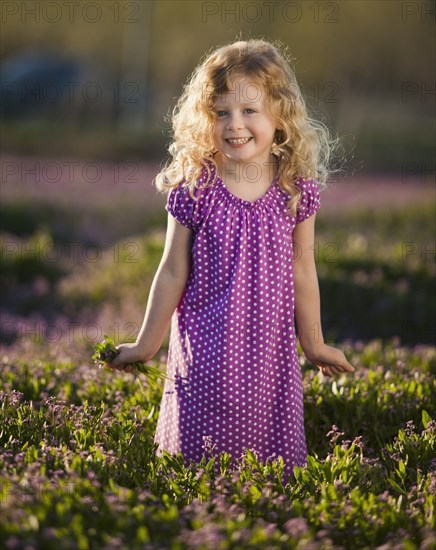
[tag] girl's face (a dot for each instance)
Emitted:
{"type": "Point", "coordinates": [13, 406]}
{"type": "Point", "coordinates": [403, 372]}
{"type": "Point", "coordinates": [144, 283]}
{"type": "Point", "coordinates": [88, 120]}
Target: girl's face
{"type": "Point", "coordinates": [244, 126]}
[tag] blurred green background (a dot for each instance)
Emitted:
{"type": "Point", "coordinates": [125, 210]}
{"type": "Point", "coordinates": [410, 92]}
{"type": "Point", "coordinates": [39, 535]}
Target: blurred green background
{"type": "Point", "coordinates": [367, 66]}
{"type": "Point", "coordinates": [86, 89]}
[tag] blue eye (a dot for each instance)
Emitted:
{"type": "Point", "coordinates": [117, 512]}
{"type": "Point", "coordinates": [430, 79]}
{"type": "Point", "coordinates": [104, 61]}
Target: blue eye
{"type": "Point", "coordinates": [250, 111]}
{"type": "Point", "coordinates": [221, 113]}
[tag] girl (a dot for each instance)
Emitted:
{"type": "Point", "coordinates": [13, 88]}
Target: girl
{"type": "Point", "coordinates": [238, 262]}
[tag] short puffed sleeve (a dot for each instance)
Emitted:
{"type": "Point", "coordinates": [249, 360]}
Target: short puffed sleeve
{"type": "Point", "coordinates": [182, 206]}
{"type": "Point", "coordinates": [309, 201]}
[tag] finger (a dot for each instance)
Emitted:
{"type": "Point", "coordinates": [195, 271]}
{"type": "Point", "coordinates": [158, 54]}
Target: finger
{"type": "Point", "coordinates": [340, 369]}
{"type": "Point", "coordinates": [345, 364]}
{"type": "Point", "coordinates": [324, 366]}
{"type": "Point", "coordinates": [326, 371]}
{"type": "Point", "coordinates": [120, 368]}
{"type": "Point", "coordinates": [336, 371]}
{"type": "Point", "coordinates": [114, 366]}
{"type": "Point", "coordinates": [125, 367]}
{"type": "Point", "coordinates": [117, 364]}
{"type": "Point", "coordinates": [346, 367]}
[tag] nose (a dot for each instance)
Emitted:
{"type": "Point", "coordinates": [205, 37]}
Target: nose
{"type": "Point", "coordinates": [235, 122]}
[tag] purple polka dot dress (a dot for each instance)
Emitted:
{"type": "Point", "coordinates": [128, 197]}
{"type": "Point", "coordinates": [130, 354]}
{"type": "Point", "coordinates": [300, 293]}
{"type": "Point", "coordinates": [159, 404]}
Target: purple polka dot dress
{"type": "Point", "coordinates": [232, 355]}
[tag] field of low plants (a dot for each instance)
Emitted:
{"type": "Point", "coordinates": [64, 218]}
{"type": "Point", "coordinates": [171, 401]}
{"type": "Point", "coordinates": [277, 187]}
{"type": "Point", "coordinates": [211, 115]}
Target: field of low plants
{"type": "Point", "coordinates": [78, 466]}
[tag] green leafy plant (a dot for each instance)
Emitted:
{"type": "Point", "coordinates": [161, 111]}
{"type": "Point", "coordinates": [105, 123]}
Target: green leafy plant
{"type": "Point", "coordinates": [71, 442]}
{"type": "Point", "coordinates": [105, 352]}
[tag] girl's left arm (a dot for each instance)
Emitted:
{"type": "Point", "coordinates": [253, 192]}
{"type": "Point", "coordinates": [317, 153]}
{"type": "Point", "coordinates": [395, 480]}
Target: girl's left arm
{"type": "Point", "coordinates": [307, 304]}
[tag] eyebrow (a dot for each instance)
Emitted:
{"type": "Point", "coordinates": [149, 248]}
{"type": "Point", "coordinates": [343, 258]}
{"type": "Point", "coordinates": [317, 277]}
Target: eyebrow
{"type": "Point", "coordinates": [247, 104]}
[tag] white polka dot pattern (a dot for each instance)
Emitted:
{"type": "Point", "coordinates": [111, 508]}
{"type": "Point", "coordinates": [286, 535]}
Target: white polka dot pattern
{"type": "Point", "coordinates": [232, 354]}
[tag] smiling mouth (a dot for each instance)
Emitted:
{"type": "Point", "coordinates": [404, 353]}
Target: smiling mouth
{"type": "Point", "coordinates": [238, 141]}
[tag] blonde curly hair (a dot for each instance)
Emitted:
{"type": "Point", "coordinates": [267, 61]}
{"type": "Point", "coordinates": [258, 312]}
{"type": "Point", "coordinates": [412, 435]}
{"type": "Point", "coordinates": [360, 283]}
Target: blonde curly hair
{"type": "Point", "coordinates": [302, 145]}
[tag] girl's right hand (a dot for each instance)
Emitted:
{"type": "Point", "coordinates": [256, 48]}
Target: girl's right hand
{"type": "Point", "coordinates": [128, 354]}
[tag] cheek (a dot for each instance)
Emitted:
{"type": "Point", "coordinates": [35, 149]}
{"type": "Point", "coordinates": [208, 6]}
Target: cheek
{"type": "Point", "coordinates": [217, 129]}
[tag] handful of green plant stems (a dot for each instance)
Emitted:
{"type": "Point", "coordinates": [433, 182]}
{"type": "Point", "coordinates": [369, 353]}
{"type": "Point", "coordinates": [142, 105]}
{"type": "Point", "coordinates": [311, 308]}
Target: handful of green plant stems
{"type": "Point", "coordinates": [105, 352]}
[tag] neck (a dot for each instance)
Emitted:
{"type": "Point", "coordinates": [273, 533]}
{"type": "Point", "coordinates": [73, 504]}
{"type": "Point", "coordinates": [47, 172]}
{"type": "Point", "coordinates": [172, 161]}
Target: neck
{"type": "Point", "coordinates": [262, 173]}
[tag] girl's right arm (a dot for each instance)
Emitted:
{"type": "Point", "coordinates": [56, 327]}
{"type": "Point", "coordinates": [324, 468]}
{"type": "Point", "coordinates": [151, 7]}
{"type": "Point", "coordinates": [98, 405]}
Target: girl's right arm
{"type": "Point", "coordinates": [165, 294]}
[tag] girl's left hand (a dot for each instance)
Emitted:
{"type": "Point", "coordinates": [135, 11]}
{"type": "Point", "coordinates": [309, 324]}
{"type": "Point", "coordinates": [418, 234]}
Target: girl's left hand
{"type": "Point", "coordinates": [329, 360]}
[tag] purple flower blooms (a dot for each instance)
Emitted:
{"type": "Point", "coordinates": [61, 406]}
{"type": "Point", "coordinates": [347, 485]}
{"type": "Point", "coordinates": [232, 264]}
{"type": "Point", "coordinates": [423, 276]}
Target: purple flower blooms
{"type": "Point", "coordinates": [334, 434]}
{"type": "Point", "coordinates": [99, 455]}
{"type": "Point", "coordinates": [296, 527]}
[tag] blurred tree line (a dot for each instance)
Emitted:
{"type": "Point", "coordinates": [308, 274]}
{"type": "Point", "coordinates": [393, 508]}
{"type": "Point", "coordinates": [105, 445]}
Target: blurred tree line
{"type": "Point", "coordinates": [366, 67]}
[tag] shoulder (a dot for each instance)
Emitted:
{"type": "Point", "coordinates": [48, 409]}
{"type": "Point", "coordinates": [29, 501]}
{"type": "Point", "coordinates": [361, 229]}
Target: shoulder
{"type": "Point", "coordinates": [310, 200]}
{"type": "Point", "coordinates": [199, 184]}
{"type": "Point", "coordinates": [187, 201]}
{"type": "Point", "coordinates": [308, 185]}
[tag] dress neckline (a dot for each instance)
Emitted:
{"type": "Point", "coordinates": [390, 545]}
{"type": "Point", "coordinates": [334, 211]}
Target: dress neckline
{"type": "Point", "coordinates": [240, 200]}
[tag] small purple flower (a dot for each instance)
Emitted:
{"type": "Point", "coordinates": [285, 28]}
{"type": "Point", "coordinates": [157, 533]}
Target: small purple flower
{"type": "Point", "coordinates": [410, 428]}
{"type": "Point", "coordinates": [296, 527]}
{"type": "Point", "coordinates": [334, 434]}
{"type": "Point", "coordinates": [208, 445]}
{"type": "Point", "coordinates": [384, 497]}
{"type": "Point", "coordinates": [13, 543]}
{"type": "Point", "coordinates": [358, 442]}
